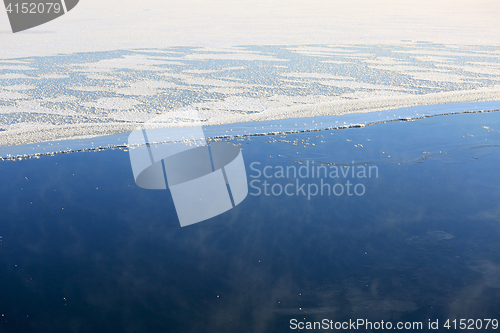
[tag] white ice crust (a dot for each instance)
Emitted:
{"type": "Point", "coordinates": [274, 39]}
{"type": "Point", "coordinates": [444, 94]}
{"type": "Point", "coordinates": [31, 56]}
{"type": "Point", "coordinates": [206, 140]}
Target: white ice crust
{"type": "Point", "coordinates": [96, 25]}
{"type": "Point", "coordinates": [317, 29]}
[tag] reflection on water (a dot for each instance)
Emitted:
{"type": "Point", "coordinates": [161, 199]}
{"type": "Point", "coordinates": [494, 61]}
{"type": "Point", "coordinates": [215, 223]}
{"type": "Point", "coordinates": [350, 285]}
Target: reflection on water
{"type": "Point", "coordinates": [84, 249]}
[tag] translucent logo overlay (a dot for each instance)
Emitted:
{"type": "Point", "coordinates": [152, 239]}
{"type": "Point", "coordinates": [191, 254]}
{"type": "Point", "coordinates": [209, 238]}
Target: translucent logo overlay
{"type": "Point", "coordinates": [26, 14]}
{"type": "Point", "coordinates": [205, 179]}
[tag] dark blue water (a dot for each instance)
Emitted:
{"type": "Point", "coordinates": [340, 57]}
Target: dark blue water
{"type": "Point", "coordinates": [84, 249]}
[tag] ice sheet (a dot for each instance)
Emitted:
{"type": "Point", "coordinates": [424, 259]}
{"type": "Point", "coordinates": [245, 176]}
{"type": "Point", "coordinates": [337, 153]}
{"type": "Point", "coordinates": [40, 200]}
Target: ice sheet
{"type": "Point", "coordinates": [95, 25]}
{"type": "Point", "coordinates": [102, 93]}
{"type": "Point", "coordinates": [258, 128]}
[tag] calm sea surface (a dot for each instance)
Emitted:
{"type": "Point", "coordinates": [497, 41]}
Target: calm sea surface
{"type": "Point", "coordinates": [83, 249]}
